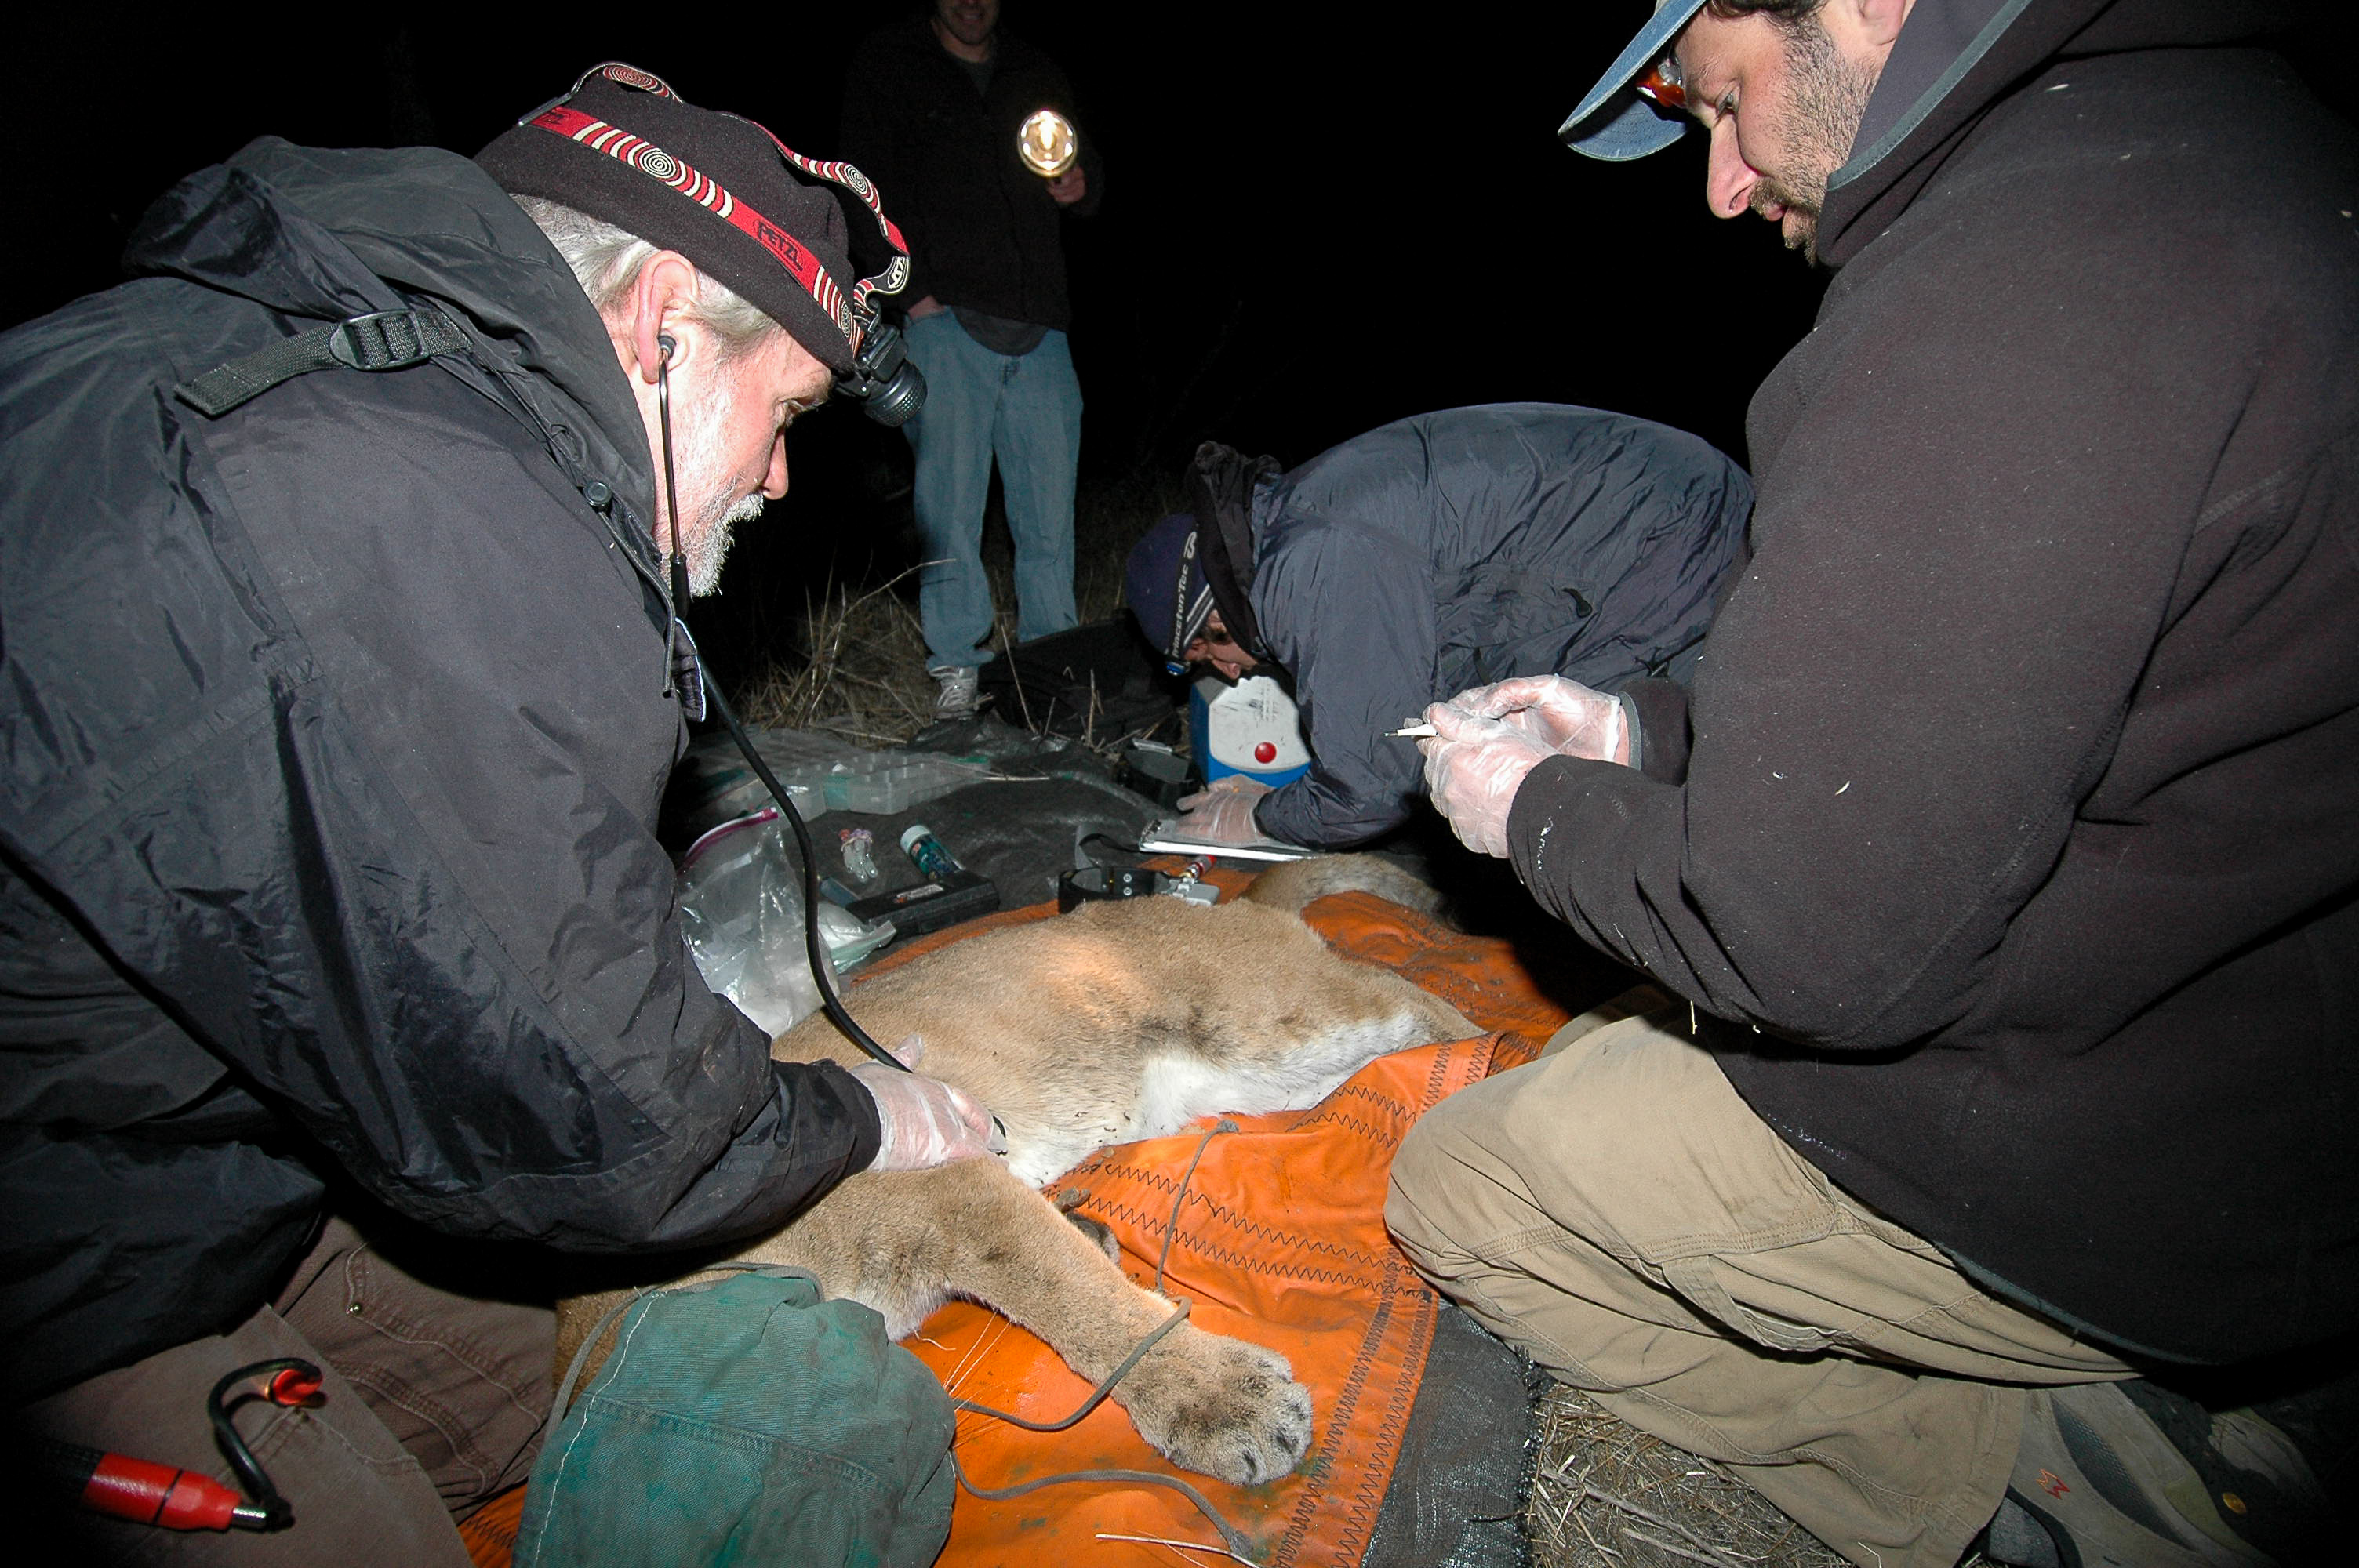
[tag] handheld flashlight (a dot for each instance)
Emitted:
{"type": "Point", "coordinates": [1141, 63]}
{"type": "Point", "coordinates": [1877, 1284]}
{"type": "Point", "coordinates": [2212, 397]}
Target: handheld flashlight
{"type": "Point", "coordinates": [1047, 143]}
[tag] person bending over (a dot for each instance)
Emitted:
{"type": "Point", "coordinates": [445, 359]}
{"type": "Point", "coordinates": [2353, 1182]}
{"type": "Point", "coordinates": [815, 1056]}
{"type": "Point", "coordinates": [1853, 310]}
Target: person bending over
{"type": "Point", "coordinates": [1428, 555]}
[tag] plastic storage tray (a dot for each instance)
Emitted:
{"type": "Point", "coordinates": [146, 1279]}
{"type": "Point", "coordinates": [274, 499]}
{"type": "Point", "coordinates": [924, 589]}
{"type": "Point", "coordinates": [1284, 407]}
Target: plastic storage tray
{"type": "Point", "coordinates": [821, 774]}
{"type": "Point", "coordinates": [883, 783]}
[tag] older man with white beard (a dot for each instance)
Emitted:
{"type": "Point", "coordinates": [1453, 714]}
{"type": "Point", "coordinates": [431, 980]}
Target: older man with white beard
{"type": "Point", "coordinates": [2003, 856]}
{"type": "Point", "coordinates": [338, 705]}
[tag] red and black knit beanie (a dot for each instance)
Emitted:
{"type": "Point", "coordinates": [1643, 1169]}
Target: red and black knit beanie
{"type": "Point", "coordinates": [622, 148]}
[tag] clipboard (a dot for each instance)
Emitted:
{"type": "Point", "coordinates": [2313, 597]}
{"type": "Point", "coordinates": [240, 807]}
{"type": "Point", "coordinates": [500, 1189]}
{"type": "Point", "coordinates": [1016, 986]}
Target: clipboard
{"type": "Point", "coordinates": [1164, 839]}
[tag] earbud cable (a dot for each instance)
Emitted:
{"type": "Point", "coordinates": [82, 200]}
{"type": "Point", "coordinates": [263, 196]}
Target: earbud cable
{"type": "Point", "coordinates": [815, 949]}
{"type": "Point", "coordinates": [676, 590]}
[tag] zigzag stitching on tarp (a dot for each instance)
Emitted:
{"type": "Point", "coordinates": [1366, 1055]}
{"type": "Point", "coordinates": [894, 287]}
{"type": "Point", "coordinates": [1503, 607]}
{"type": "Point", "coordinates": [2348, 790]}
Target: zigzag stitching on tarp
{"type": "Point", "coordinates": [1443, 1060]}
{"type": "Point", "coordinates": [1356, 1090]}
{"type": "Point", "coordinates": [1385, 1140]}
{"type": "Point", "coordinates": [1149, 1224]}
{"type": "Point", "coordinates": [1363, 1508]}
{"type": "Point", "coordinates": [1254, 1228]}
{"type": "Point", "coordinates": [1347, 1400]}
{"type": "Point", "coordinates": [1398, 1112]}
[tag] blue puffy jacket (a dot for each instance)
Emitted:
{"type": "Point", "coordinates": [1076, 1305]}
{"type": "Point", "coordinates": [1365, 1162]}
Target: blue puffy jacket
{"type": "Point", "coordinates": [1458, 549]}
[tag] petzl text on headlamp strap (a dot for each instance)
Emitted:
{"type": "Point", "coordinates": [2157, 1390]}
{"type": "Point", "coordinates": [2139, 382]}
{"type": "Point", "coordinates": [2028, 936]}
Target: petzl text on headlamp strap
{"type": "Point", "coordinates": [835, 172]}
{"type": "Point", "coordinates": [650, 159]}
{"type": "Point", "coordinates": [1183, 593]}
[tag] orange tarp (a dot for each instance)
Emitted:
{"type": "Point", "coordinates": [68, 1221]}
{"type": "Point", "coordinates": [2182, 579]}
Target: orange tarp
{"type": "Point", "coordinates": [1280, 1240]}
{"type": "Point", "coordinates": [490, 1532]}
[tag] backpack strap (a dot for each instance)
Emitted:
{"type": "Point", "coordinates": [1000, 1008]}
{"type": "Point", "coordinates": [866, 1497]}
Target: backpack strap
{"type": "Point", "coordinates": [381, 340]}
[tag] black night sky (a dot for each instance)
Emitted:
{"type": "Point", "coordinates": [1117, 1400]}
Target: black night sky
{"type": "Point", "coordinates": [1313, 224]}
{"type": "Point", "coordinates": [1317, 217]}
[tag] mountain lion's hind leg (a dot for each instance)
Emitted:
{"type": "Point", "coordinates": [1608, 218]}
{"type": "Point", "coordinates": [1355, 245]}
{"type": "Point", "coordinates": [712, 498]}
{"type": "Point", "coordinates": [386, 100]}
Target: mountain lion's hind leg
{"type": "Point", "coordinates": [1208, 1403]}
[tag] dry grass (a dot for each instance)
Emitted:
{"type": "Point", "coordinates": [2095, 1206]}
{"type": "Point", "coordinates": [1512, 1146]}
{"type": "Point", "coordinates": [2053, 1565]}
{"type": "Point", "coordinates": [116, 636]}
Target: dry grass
{"type": "Point", "coordinates": [858, 669]}
{"type": "Point", "coordinates": [1609, 1496]}
{"type": "Point", "coordinates": [856, 663]}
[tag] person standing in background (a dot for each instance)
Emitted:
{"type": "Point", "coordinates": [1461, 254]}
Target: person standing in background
{"type": "Point", "coordinates": [931, 115]}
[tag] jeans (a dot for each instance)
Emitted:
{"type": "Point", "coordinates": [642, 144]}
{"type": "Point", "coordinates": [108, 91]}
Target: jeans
{"type": "Point", "coordinates": [1027, 412]}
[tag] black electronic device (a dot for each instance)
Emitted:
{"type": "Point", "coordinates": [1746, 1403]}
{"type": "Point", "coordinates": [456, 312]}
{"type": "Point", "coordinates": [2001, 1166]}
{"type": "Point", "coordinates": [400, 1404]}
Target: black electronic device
{"type": "Point", "coordinates": [931, 904]}
{"type": "Point", "coordinates": [1095, 884]}
{"type": "Point", "coordinates": [888, 387]}
{"type": "Point", "coordinates": [1157, 771]}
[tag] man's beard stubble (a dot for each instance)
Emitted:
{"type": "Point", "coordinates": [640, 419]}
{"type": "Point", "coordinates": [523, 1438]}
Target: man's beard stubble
{"type": "Point", "coordinates": [711, 512]}
{"type": "Point", "coordinates": [1826, 97]}
{"type": "Point", "coordinates": [708, 547]}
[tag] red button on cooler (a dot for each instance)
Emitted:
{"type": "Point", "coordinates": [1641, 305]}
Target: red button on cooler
{"type": "Point", "coordinates": [1264, 753]}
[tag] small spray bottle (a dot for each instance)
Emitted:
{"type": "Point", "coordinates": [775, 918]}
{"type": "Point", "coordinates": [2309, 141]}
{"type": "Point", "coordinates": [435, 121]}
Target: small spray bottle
{"type": "Point", "coordinates": [859, 855]}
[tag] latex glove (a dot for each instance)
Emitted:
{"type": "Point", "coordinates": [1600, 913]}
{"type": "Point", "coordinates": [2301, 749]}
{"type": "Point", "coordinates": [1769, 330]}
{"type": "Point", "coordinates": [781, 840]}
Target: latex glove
{"type": "Point", "coordinates": [1568, 717]}
{"type": "Point", "coordinates": [1473, 769]}
{"type": "Point", "coordinates": [925, 1121]}
{"type": "Point", "coordinates": [1222, 812]}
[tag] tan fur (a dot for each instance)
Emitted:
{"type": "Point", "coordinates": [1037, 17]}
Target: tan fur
{"type": "Point", "coordinates": [1291, 884]}
{"type": "Point", "coordinates": [1120, 1021]}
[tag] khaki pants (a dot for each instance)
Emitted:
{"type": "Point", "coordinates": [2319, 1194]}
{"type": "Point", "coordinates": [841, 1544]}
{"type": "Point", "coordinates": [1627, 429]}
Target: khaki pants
{"type": "Point", "coordinates": [1616, 1211]}
{"type": "Point", "coordinates": [435, 1402]}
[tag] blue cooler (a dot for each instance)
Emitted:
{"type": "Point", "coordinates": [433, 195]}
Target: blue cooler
{"type": "Point", "coordinates": [1250, 727]}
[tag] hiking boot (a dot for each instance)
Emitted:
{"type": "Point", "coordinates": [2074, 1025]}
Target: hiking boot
{"type": "Point", "coordinates": [2124, 1476]}
{"type": "Point", "coordinates": [958, 698]}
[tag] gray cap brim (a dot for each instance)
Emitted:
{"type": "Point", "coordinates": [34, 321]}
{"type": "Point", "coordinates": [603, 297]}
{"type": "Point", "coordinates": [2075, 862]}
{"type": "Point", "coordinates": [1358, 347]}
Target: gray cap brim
{"type": "Point", "coordinates": [1614, 121]}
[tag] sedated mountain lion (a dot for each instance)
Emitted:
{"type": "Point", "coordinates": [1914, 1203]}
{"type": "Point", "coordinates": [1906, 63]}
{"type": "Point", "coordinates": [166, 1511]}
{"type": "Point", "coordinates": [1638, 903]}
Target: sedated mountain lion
{"type": "Point", "coordinates": [1120, 1021]}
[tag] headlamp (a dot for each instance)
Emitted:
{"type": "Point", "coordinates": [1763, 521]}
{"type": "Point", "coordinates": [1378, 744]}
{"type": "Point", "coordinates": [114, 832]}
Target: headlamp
{"type": "Point", "coordinates": [1664, 84]}
{"type": "Point", "coordinates": [888, 388]}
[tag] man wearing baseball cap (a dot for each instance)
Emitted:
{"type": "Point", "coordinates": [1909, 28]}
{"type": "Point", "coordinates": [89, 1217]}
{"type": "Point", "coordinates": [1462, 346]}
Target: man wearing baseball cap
{"type": "Point", "coordinates": [2003, 855]}
{"type": "Point", "coordinates": [343, 673]}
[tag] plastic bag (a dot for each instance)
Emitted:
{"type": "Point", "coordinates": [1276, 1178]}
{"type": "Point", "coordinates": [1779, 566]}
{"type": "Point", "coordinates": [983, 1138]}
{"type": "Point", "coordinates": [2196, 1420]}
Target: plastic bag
{"type": "Point", "coordinates": [741, 902]}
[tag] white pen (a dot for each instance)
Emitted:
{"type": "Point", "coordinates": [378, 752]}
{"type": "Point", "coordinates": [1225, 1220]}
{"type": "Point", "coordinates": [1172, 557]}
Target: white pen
{"type": "Point", "coordinates": [1415, 731]}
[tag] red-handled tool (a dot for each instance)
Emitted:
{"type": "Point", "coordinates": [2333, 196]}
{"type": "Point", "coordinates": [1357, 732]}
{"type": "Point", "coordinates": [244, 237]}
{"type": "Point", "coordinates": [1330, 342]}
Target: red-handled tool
{"type": "Point", "coordinates": [170, 1497]}
{"type": "Point", "coordinates": [148, 1493]}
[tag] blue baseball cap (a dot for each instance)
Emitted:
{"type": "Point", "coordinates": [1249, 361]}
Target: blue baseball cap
{"type": "Point", "coordinates": [1615, 122]}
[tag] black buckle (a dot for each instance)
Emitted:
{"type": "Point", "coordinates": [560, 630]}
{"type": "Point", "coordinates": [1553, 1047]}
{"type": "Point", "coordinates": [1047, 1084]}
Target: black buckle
{"type": "Point", "coordinates": [687, 672]}
{"type": "Point", "coordinates": [387, 339]}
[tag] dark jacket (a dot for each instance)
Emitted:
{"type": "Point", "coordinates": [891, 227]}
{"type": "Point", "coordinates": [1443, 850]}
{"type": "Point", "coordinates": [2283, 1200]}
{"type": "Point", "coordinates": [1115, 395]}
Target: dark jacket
{"type": "Point", "coordinates": [2021, 815]}
{"type": "Point", "coordinates": [334, 729]}
{"type": "Point", "coordinates": [1458, 549]}
{"type": "Point", "coordinates": [983, 232]}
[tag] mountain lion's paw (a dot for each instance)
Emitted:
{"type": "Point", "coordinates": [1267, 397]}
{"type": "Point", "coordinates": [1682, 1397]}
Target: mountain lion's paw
{"type": "Point", "coordinates": [1220, 1406]}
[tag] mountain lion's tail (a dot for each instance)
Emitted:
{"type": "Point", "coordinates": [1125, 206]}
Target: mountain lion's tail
{"type": "Point", "coordinates": [1293, 883]}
